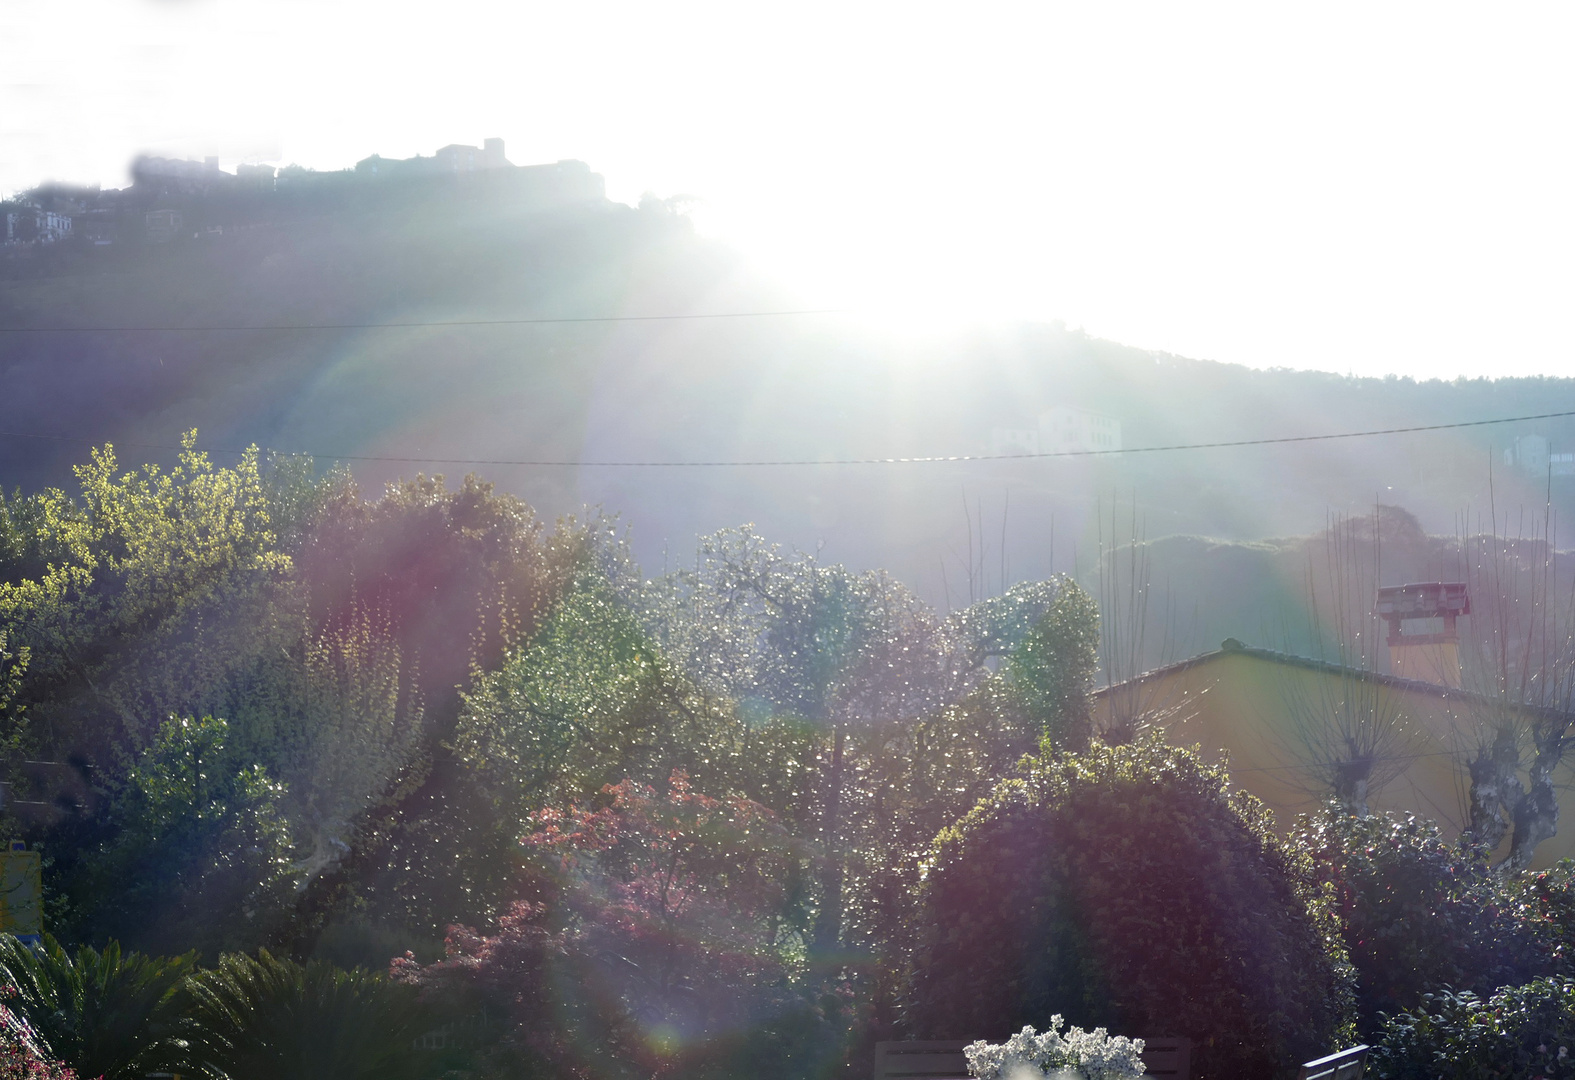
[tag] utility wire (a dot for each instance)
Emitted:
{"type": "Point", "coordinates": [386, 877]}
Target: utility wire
{"type": "Point", "coordinates": [415, 323]}
{"type": "Point", "coordinates": [939, 459]}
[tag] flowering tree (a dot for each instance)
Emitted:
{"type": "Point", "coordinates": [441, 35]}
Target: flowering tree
{"type": "Point", "coordinates": [684, 900]}
{"type": "Point", "coordinates": [670, 946]}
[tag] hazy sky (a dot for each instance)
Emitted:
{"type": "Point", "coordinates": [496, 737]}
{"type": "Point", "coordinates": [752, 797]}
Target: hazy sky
{"type": "Point", "coordinates": [1373, 188]}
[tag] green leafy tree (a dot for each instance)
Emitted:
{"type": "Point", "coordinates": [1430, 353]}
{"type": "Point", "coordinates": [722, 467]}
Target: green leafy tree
{"type": "Point", "coordinates": [105, 1014]}
{"type": "Point", "coordinates": [339, 721]}
{"type": "Point", "coordinates": [201, 856]}
{"type": "Point", "coordinates": [145, 593]}
{"type": "Point", "coordinates": [1051, 671]}
{"type": "Point", "coordinates": [13, 665]}
{"type": "Point", "coordinates": [592, 700]}
{"type": "Point", "coordinates": [853, 659]}
{"type": "Point", "coordinates": [451, 580]}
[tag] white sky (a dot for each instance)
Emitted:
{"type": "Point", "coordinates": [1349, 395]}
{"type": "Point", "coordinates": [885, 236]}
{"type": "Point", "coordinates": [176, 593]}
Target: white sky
{"type": "Point", "coordinates": [1354, 187]}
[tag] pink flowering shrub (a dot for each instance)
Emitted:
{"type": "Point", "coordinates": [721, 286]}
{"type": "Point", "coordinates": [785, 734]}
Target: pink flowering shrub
{"type": "Point", "coordinates": [22, 1056]}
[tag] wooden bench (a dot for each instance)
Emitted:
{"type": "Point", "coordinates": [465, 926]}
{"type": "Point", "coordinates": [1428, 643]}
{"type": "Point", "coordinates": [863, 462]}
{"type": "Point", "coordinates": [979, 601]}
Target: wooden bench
{"type": "Point", "coordinates": [1346, 1065]}
{"type": "Point", "coordinates": [934, 1060]}
{"type": "Point", "coordinates": [1168, 1058]}
{"type": "Point", "coordinates": [1164, 1058]}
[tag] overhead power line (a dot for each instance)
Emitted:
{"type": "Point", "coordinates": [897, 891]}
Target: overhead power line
{"type": "Point", "coordinates": [790, 462]}
{"type": "Point", "coordinates": [416, 323]}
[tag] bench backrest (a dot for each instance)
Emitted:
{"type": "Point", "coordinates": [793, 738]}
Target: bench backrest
{"type": "Point", "coordinates": [935, 1060]}
{"type": "Point", "coordinates": [1346, 1065]}
{"type": "Point", "coordinates": [1169, 1059]}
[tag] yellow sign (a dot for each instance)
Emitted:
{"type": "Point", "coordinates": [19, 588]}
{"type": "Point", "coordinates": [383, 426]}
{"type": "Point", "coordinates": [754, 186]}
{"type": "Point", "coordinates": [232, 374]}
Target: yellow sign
{"type": "Point", "coordinates": [21, 893]}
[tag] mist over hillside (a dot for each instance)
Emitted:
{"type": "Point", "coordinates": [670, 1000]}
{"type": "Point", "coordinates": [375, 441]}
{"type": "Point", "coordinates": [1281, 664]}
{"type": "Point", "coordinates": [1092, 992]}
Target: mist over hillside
{"type": "Point", "coordinates": [314, 267]}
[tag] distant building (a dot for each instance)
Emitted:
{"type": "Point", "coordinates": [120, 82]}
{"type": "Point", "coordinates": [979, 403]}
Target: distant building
{"type": "Point", "coordinates": [99, 227]}
{"type": "Point", "coordinates": [30, 225]}
{"type": "Point", "coordinates": [1061, 430]}
{"type": "Point", "coordinates": [1535, 456]}
{"type": "Point", "coordinates": [453, 158]}
{"type": "Point", "coordinates": [173, 176]}
{"type": "Point", "coordinates": [457, 158]}
{"type": "Point", "coordinates": [162, 225]}
{"type": "Point", "coordinates": [254, 176]}
{"type": "Point", "coordinates": [1065, 430]}
{"type": "Point", "coordinates": [1237, 706]}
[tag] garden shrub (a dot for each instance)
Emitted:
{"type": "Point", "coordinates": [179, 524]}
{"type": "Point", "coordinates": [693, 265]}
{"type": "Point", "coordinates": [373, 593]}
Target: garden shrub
{"type": "Point", "coordinates": [269, 1018]}
{"type": "Point", "coordinates": [1419, 914]}
{"type": "Point", "coordinates": [1521, 1031]}
{"type": "Point", "coordinates": [1126, 888]}
{"type": "Point", "coordinates": [108, 1014]}
{"type": "Point", "coordinates": [22, 1053]}
{"type": "Point", "coordinates": [1543, 902]}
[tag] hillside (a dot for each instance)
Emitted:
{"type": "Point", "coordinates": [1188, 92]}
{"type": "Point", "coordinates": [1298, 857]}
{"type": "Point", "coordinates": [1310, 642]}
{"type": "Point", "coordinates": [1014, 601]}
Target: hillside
{"type": "Point", "coordinates": [784, 387]}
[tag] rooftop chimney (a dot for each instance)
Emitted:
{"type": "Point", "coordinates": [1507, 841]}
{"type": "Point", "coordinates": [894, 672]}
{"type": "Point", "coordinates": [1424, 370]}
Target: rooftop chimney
{"type": "Point", "coordinates": [1423, 642]}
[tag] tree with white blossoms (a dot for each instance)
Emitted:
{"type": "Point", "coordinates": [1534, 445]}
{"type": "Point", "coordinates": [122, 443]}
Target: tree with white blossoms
{"type": "Point", "coordinates": [1091, 1055]}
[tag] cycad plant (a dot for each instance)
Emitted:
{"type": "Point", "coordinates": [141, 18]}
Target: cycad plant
{"type": "Point", "coordinates": [105, 1014]}
{"type": "Point", "coordinates": [273, 1019]}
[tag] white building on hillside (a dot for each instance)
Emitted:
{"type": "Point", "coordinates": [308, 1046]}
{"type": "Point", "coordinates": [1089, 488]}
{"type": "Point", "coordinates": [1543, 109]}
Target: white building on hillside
{"type": "Point", "coordinates": [1061, 430]}
{"type": "Point", "coordinates": [33, 226]}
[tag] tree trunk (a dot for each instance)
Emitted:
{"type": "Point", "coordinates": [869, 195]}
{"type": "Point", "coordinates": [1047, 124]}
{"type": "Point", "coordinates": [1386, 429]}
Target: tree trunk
{"type": "Point", "coordinates": [1495, 788]}
{"type": "Point", "coordinates": [1537, 813]}
{"type": "Point", "coordinates": [828, 920]}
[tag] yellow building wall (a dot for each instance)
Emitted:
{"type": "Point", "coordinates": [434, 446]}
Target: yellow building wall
{"type": "Point", "coordinates": [1239, 707]}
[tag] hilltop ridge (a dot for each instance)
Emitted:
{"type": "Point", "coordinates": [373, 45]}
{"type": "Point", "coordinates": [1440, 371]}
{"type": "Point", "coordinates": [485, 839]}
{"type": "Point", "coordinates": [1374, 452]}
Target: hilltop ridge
{"type": "Point", "coordinates": [328, 321]}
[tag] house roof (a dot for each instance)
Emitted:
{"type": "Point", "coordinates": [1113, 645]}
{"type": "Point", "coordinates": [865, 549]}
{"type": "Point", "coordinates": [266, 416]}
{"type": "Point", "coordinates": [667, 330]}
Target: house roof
{"type": "Point", "coordinates": [1230, 647]}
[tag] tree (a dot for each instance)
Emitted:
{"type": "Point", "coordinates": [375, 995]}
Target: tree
{"type": "Point", "coordinates": [13, 665]}
{"type": "Point", "coordinates": [590, 701]}
{"type": "Point", "coordinates": [339, 721]}
{"type": "Point", "coordinates": [1053, 667]}
{"type": "Point", "coordinates": [1346, 732]}
{"type": "Point", "coordinates": [449, 580]}
{"type": "Point", "coordinates": [683, 905]}
{"type": "Point", "coordinates": [144, 596]}
{"type": "Point", "coordinates": [853, 657]}
{"type": "Point", "coordinates": [1519, 659]}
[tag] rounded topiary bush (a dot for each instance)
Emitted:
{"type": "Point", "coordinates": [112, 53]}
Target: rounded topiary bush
{"type": "Point", "coordinates": [1128, 888]}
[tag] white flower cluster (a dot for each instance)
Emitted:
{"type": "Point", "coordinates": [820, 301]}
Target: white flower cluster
{"type": "Point", "coordinates": [1074, 1054]}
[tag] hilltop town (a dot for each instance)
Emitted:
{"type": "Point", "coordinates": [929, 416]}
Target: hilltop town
{"type": "Point", "coordinates": [171, 200]}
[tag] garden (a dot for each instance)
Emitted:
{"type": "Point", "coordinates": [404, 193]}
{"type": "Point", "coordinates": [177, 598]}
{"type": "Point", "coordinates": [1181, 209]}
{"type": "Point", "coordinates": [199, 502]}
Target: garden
{"type": "Point", "coordinates": [420, 785]}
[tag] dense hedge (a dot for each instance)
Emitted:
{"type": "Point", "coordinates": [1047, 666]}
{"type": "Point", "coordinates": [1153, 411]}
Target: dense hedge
{"type": "Point", "coordinates": [1420, 914]}
{"type": "Point", "coordinates": [1128, 888]}
{"type": "Point", "coordinates": [1543, 902]}
{"type": "Point", "coordinates": [1521, 1031]}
